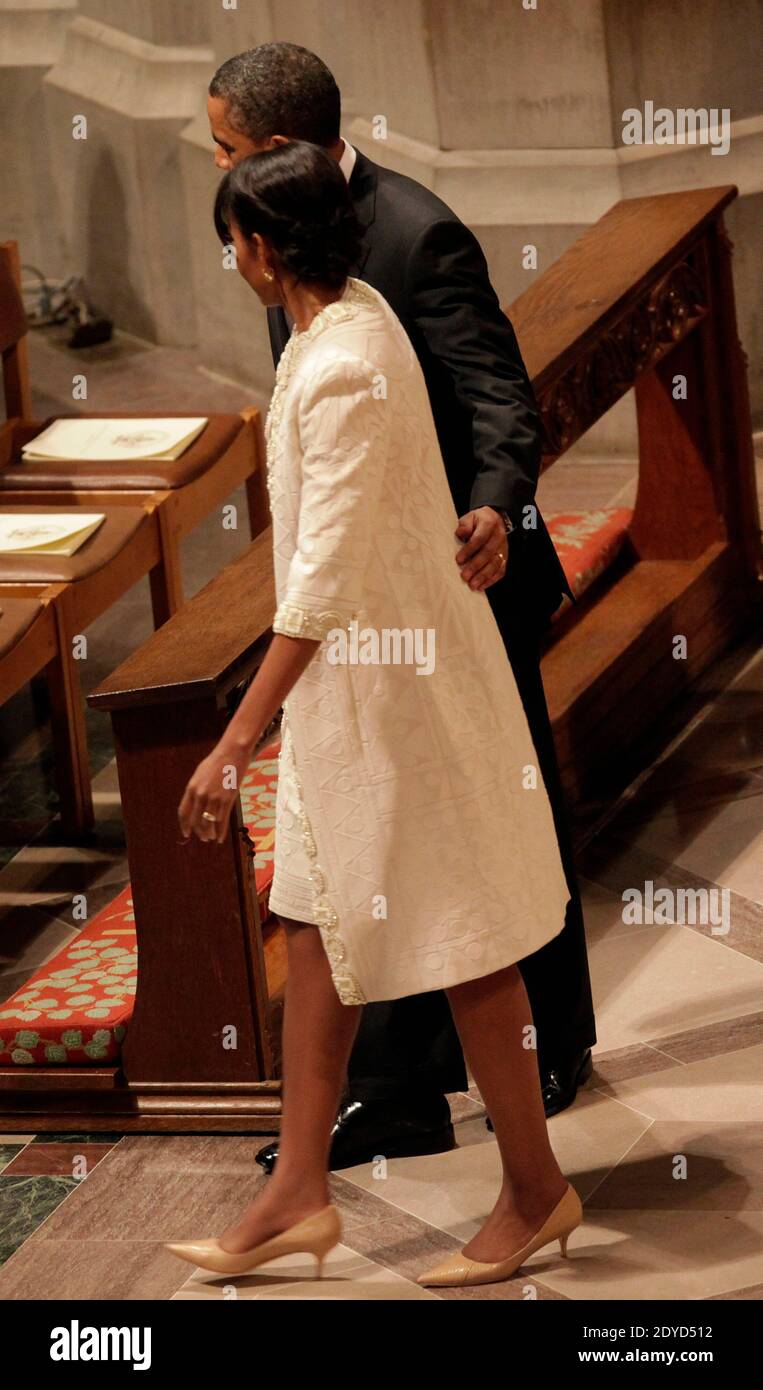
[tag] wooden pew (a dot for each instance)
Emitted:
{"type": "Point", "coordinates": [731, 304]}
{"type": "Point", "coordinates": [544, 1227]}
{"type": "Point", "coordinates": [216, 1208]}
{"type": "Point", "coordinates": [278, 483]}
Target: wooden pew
{"type": "Point", "coordinates": [200, 950]}
{"type": "Point", "coordinates": [646, 295]}
{"type": "Point", "coordinates": [229, 452]}
{"type": "Point", "coordinates": [167, 500]}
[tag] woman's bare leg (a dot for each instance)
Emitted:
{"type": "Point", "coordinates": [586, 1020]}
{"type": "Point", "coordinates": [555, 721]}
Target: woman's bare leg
{"type": "Point", "coordinates": [491, 1015]}
{"type": "Point", "coordinates": [318, 1032]}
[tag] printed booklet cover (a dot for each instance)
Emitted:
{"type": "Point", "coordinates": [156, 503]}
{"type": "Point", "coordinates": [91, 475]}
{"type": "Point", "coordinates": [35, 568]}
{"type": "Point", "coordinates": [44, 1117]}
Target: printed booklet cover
{"type": "Point", "coordinates": [114, 440]}
{"type": "Point", "coordinates": [42, 533]}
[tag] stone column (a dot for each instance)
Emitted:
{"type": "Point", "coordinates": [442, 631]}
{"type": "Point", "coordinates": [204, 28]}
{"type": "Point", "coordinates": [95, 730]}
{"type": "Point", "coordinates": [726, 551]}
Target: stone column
{"type": "Point", "coordinates": [233, 338]}
{"type": "Point", "coordinates": [128, 94]}
{"type": "Point", "coordinates": [698, 54]}
{"type": "Point", "coordinates": [31, 40]}
{"type": "Point", "coordinates": [504, 112]}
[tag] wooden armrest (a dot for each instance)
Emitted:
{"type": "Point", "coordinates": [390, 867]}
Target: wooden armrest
{"type": "Point", "coordinates": [211, 644]}
{"type": "Point", "coordinates": [14, 433]}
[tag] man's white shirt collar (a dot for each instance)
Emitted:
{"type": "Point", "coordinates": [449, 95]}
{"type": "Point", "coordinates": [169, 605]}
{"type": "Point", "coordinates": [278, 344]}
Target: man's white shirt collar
{"type": "Point", "coordinates": [347, 162]}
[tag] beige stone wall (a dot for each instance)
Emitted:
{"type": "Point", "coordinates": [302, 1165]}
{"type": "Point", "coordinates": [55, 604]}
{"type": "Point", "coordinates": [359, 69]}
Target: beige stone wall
{"type": "Point", "coordinates": [157, 21]}
{"type": "Point", "coordinates": [122, 216]}
{"type": "Point", "coordinates": [687, 51]}
{"type": "Point", "coordinates": [30, 43]}
{"type": "Point", "coordinates": [513, 115]}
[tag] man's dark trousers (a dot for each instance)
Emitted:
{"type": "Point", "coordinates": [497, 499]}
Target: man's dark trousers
{"type": "Point", "coordinates": [409, 1046]}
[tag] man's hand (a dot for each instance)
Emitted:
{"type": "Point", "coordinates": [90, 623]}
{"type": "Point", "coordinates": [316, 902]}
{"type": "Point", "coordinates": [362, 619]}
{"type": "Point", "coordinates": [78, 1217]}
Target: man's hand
{"type": "Point", "coordinates": [484, 556]}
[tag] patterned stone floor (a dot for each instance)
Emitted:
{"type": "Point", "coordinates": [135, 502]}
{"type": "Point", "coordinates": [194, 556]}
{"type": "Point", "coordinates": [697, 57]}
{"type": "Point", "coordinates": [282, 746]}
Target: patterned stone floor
{"type": "Point", "coordinates": [665, 1145]}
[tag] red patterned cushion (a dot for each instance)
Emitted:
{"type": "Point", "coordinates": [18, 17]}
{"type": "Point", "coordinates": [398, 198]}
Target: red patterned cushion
{"type": "Point", "coordinates": [75, 1009]}
{"type": "Point", "coordinates": [587, 543]}
{"type": "Point", "coordinates": [258, 808]}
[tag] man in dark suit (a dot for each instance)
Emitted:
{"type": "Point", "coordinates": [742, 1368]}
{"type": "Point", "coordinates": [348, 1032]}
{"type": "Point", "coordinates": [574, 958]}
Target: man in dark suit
{"type": "Point", "coordinates": [431, 269]}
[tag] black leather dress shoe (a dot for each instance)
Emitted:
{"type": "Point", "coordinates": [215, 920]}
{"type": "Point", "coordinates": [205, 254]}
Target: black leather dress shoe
{"type": "Point", "coordinates": [559, 1086]}
{"type": "Point", "coordinates": [398, 1128]}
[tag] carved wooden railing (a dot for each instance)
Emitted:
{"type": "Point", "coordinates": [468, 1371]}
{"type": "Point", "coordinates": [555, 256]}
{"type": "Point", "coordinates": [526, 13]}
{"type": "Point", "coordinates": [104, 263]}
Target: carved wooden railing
{"type": "Point", "coordinates": [645, 295]}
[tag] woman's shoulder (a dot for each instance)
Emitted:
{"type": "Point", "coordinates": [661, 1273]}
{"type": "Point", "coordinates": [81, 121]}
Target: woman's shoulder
{"type": "Point", "coordinates": [359, 305]}
{"type": "Point", "coordinates": [354, 331]}
{"type": "Point", "coordinates": [334, 370]}
{"type": "Point", "coordinates": [364, 324]}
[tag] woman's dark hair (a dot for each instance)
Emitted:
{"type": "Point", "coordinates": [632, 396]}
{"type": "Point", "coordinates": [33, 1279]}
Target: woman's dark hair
{"type": "Point", "coordinates": [295, 195]}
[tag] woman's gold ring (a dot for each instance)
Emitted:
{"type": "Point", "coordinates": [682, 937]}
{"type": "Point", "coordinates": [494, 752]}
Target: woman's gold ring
{"type": "Point", "coordinates": [207, 815]}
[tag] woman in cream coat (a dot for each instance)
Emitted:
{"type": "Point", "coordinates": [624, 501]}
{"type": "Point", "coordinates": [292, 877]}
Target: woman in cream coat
{"type": "Point", "coordinates": [415, 846]}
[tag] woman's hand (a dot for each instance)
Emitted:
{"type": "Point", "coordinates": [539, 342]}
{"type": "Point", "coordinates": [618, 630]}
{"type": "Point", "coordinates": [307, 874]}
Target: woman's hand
{"type": "Point", "coordinates": [213, 788]}
{"type": "Point", "coordinates": [214, 785]}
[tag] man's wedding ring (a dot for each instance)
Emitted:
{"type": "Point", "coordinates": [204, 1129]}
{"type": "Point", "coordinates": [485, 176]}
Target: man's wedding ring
{"type": "Point", "coordinates": [207, 815]}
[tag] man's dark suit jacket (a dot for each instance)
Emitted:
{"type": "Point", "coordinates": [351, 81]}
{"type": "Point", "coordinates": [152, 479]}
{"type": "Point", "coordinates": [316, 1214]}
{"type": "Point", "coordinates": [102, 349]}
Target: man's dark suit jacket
{"type": "Point", "coordinates": [431, 270]}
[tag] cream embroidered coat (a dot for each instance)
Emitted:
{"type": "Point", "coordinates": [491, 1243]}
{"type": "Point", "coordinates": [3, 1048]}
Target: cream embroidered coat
{"type": "Point", "coordinates": [412, 823]}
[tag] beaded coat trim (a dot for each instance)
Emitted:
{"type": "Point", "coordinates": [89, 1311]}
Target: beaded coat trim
{"type": "Point", "coordinates": [295, 621]}
{"type": "Point", "coordinates": [346, 985]}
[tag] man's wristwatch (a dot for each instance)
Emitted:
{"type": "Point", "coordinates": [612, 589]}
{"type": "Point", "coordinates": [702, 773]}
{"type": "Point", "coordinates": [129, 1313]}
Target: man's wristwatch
{"type": "Point", "coordinates": [506, 519]}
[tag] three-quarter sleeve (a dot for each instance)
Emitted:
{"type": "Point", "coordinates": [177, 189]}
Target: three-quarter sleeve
{"type": "Point", "coordinates": [342, 414]}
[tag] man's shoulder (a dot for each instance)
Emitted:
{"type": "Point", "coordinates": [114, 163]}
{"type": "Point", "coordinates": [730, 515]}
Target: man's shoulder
{"type": "Point", "coordinates": [413, 204]}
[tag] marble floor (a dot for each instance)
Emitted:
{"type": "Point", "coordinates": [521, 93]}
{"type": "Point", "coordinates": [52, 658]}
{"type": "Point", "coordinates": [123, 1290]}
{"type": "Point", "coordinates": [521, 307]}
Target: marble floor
{"type": "Point", "coordinates": [664, 1145]}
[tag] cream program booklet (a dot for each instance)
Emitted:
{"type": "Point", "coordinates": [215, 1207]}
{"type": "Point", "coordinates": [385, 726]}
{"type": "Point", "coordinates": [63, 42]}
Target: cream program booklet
{"type": "Point", "coordinates": [46, 533]}
{"type": "Point", "coordinates": [114, 440]}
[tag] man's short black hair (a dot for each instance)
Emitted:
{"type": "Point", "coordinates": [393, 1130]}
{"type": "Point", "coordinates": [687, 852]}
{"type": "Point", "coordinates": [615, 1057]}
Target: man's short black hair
{"type": "Point", "coordinates": [280, 89]}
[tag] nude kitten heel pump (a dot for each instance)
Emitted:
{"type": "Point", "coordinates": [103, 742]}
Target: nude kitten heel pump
{"type": "Point", "coordinates": [315, 1235]}
{"type": "Point", "coordinates": [459, 1269]}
